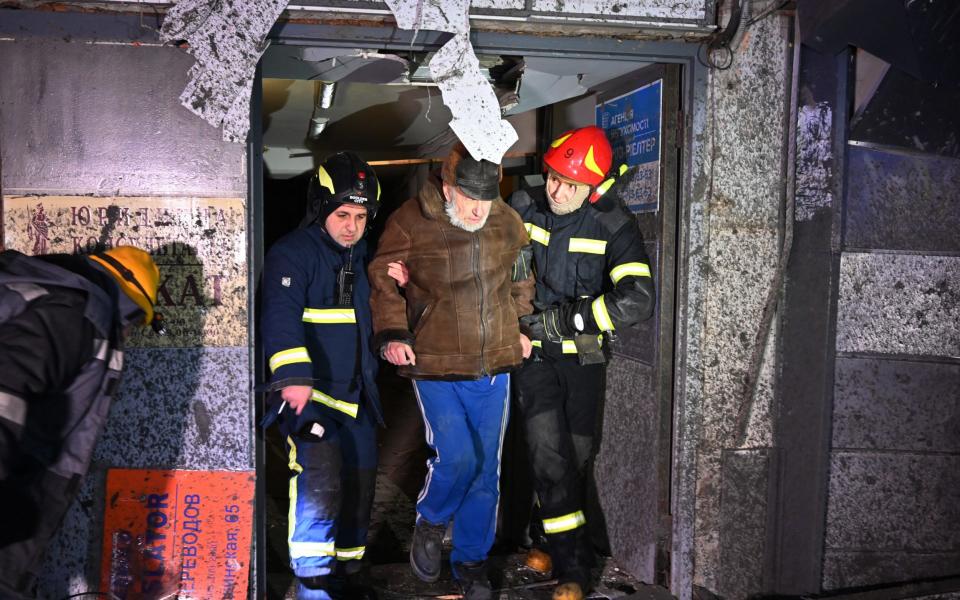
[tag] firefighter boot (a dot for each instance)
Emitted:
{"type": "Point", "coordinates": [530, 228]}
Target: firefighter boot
{"type": "Point", "coordinates": [571, 564]}
{"type": "Point", "coordinates": [351, 581]}
{"type": "Point", "coordinates": [568, 591]}
{"type": "Point", "coordinates": [473, 580]}
{"type": "Point", "coordinates": [313, 588]}
{"type": "Point", "coordinates": [539, 561]}
{"type": "Point", "coordinates": [426, 550]}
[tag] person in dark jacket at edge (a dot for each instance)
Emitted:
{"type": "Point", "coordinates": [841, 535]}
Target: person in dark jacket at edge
{"type": "Point", "coordinates": [63, 320]}
{"type": "Point", "coordinates": [455, 332]}
{"type": "Point", "coordinates": [592, 279]}
{"type": "Point", "coordinates": [316, 329]}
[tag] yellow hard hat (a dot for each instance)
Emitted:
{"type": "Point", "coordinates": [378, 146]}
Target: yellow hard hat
{"type": "Point", "coordinates": [136, 273]}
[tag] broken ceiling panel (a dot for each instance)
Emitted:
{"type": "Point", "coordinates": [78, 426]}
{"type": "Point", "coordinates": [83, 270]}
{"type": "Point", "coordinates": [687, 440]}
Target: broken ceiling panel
{"type": "Point", "coordinates": [298, 62]}
{"type": "Point", "coordinates": [549, 80]}
{"type": "Point", "coordinates": [438, 15]}
{"type": "Point", "coordinates": [476, 112]}
{"type": "Point", "coordinates": [227, 38]}
{"type": "Point", "coordinates": [363, 67]}
{"type": "Point", "coordinates": [662, 9]}
{"type": "Point", "coordinates": [499, 4]}
{"type": "Point", "coordinates": [477, 119]}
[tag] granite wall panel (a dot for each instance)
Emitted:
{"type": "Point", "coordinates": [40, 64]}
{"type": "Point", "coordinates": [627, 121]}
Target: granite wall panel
{"type": "Point", "coordinates": [899, 304]}
{"type": "Point", "coordinates": [894, 502]}
{"type": "Point", "coordinates": [185, 409]}
{"type": "Point", "coordinates": [896, 405]}
{"type": "Point", "coordinates": [746, 503]}
{"type": "Point", "coordinates": [902, 201]}
{"type": "Point", "coordinates": [626, 465]}
{"type": "Point", "coordinates": [745, 115]}
{"type": "Point", "coordinates": [104, 119]}
{"type": "Point", "coordinates": [848, 569]}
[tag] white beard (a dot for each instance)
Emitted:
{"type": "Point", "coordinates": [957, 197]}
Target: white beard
{"type": "Point", "coordinates": [455, 220]}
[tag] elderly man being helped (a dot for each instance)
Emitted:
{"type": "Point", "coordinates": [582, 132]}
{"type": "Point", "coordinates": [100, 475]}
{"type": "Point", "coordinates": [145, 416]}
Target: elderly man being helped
{"type": "Point", "coordinates": [454, 331]}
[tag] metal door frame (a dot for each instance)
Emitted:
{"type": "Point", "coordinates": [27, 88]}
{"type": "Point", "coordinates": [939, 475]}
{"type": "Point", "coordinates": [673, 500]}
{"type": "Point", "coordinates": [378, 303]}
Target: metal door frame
{"type": "Point", "coordinates": [691, 230]}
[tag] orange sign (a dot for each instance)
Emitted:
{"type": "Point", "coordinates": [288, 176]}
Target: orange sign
{"type": "Point", "coordinates": [177, 534]}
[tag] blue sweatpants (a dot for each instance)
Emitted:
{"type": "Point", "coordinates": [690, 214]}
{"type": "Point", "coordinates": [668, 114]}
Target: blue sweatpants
{"type": "Point", "coordinates": [465, 422]}
{"type": "Point", "coordinates": [331, 494]}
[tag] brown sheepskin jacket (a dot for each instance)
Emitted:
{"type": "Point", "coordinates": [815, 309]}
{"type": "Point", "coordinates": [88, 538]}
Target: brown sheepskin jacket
{"type": "Point", "coordinates": [460, 308]}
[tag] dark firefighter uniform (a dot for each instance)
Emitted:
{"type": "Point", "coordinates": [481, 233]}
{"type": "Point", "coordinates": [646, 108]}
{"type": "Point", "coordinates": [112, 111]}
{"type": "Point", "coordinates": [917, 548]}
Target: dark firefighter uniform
{"type": "Point", "coordinates": [311, 338]}
{"type": "Point", "coordinates": [592, 263]}
{"type": "Point", "coordinates": [61, 355]}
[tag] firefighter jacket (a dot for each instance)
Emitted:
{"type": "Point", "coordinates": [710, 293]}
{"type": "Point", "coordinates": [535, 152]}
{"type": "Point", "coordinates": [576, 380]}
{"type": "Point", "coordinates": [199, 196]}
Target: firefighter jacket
{"type": "Point", "coordinates": [594, 256]}
{"type": "Point", "coordinates": [460, 308]}
{"type": "Point", "coordinates": [60, 362]}
{"type": "Point", "coordinates": [309, 337]}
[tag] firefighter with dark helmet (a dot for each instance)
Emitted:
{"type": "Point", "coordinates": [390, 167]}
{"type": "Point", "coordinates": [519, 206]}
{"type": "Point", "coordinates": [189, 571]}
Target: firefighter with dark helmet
{"type": "Point", "coordinates": [592, 279]}
{"type": "Point", "coordinates": [316, 328]}
{"type": "Point", "coordinates": [63, 320]}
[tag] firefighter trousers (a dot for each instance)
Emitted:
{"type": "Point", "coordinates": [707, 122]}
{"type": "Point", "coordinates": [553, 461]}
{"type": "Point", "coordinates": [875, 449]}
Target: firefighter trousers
{"type": "Point", "coordinates": [558, 400]}
{"type": "Point", "coordinates": [331, 494]}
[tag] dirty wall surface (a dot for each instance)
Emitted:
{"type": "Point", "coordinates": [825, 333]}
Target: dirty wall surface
{"type": "Point", "coordinates": [745, 137]}
{"type": "Point", "coordinates": [893, 511]}
{"type": "Point", "coordinates": [93, 135]}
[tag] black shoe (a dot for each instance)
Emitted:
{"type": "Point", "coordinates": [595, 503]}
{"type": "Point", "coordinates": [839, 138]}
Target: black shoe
{"type": "Point", "coordinates": [352, 581]}
{"type": "Point", "coordinates": [473, 580]}
{"type": "Point", "coordinates": [426, 550]}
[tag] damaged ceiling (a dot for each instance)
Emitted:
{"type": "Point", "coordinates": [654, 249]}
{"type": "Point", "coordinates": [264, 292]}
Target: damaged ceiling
{"type": "Point", "coordinates": [391, 113]}
{"type": "Point", "coordinates": [229, 37]}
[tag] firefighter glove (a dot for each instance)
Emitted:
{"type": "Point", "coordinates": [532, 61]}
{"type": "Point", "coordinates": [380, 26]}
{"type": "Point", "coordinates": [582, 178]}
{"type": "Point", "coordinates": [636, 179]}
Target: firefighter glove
{"type": "Point", "coordinates": [558, 322]}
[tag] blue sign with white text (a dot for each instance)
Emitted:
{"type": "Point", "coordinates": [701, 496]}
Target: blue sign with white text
{"type": "Point", "coordinates": [632, 124]}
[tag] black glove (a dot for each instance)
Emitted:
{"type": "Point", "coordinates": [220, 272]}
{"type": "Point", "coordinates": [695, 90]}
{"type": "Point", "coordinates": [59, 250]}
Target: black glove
{"type": "Point", "coordinates": [558, 322]}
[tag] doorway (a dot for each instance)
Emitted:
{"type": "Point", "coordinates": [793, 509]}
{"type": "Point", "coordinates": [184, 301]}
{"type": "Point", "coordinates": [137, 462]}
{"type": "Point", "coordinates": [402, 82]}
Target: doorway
{"type": "Point", "coordinates": [400, 128]}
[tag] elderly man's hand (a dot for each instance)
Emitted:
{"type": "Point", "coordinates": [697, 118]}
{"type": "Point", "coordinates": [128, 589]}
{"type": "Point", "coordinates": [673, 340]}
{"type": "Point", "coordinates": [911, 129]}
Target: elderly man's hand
{"type": "Point", "coordinates": [526, 346]}
{"type": "Point", "coordinates": [399, 272]}
{"type": "Point", "coordinates": [398, 353]}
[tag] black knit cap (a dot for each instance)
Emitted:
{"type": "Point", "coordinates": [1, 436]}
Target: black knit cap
{"type": "Point", "coordinates": [479, 179]}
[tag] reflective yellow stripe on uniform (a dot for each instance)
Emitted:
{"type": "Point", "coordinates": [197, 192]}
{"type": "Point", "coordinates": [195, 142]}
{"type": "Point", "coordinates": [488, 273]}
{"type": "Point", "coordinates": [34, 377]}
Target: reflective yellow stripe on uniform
{"type": "Point", "coordinates": [288, 357]}
{"type": "Point", "coordinates": [292, 509]}
{"type": "Point", "coordinates": [587, 245]}
{"type": "Point", "coordinates": [566, 346]}
{"type": "Point", "coordinates": [564, 523]}
{"type": "Point", "coordinates": [538, 234]}
{"type": "Point", "coordinates": [310, 549]}
{"type": "Point", "coordinates": [637, 269]}
{"type": "Point", "coordinates": [329, 315]}
{"type": "Point", "coordinates": [600, 314]}
{"type": "Point", "coordinates": [301, 549]}
{"type": "Point", "coordinates": [351, 553]}
{"type": "Point", "coordinates": [344, 407]}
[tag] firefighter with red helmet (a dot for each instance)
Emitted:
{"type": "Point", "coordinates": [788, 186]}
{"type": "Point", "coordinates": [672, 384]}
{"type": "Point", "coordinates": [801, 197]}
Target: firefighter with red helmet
{"type": "Point", "coordinates": [592, 279]}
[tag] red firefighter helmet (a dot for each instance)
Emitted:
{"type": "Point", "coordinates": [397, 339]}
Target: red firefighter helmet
{"type": "Point", "coordinates": [582, 155]}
